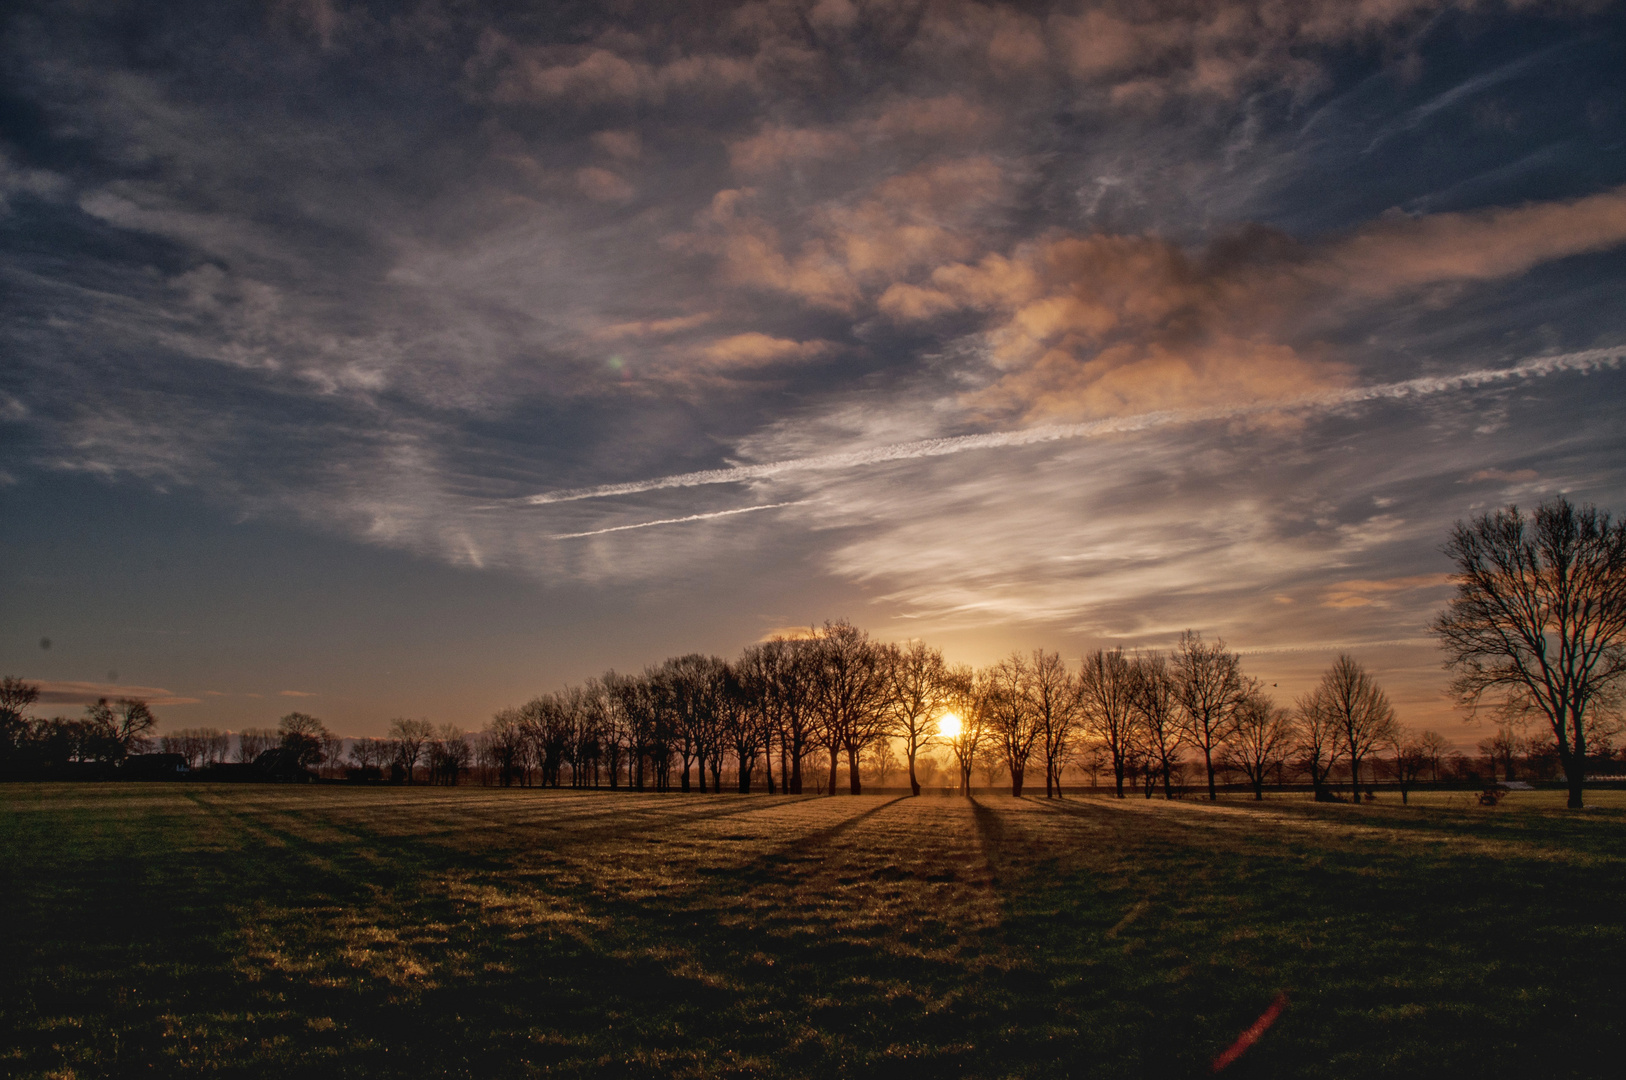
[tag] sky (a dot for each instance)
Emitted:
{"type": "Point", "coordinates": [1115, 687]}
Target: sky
{"type": "Point", "coordinates": [412, 359]}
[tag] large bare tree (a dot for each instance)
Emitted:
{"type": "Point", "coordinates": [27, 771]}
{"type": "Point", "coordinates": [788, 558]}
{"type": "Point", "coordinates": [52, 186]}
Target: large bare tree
{"type": "Point", "coordinates": [1157, 732]}
{"type": "Point", "coordinates": [1011, 715]}
{"type": "Point", "coordinates": [1350, 702]}
{"type": "Point", "coordinates": [920, 691]}
{"type": "Point", "coordinates": [1538, 624]}
{"type": "Point", "coordinates": [1208, 679]}
{"type": "Point", "coordinates": [1053, 691]}
{"type": "Point", "coordinates": [1262, 739]}
{"type": "Point", "coordinates": [852, 689]}
{"type": "Point", "coordinates": [967, 735]}
{"type": "Point", "coordinates": [1106, 689]}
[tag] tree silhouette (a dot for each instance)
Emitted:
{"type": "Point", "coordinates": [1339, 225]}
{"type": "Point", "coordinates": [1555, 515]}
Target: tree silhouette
{"type": "Point", "coordinates": [1262, 738]}
{"type": "Point", "coordinates": [1357, 711]}
{"type": "Point", "coordinates": [1157, 732]}
{"type": "Point", "coordinates": [1539, 620]}
{"type": "Point", "coordinates": [1054, 693]}
{"type": "Point", "coordinates": [1106, 696]}
{"type": "Point", "coordinates": [1012, 716]}
{"type": "Point", "coordinates": [919, 692]}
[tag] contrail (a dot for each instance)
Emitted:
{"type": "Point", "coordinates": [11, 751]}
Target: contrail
{"type": "Point", "coordinates": [1589, 360]}
{"type": "Point", "coordinates": [675, 521]}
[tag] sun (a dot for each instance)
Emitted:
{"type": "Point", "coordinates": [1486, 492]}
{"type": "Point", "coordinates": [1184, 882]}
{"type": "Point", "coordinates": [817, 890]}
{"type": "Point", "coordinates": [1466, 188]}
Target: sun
{"type": "Point", "coordinates": [948, 725]}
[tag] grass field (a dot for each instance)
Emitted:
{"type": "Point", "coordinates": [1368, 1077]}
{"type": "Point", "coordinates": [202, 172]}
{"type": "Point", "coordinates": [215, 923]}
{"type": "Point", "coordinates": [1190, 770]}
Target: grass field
{"type": "Point", "coordinates": [196, 929]}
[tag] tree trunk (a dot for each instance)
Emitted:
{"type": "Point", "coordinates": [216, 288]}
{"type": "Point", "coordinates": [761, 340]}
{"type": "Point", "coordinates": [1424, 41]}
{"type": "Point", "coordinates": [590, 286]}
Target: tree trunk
{"type": "Point", "coordinates": [853, 783]}
{"type": "Point", "coordinates": [1118, 774]}
{"type": "Point", "coordinates": [745, 773]}
{"type": "Point", "coordinates": [1016, 782]}
{"type": "Point", "coordinates": [914, 784]}
{"type": "Point", "coordinates": [1208, 761]}
{"type": "Point", "coordinates": [833, 752]}
{"type": "Point", "coordinates": [1575, 768]}
{"type": "Point", "coordinates": [795, 784]}
{"type": "Point", "coordinates": [1355, 779]}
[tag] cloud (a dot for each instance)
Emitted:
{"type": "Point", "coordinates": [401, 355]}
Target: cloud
{"type": "Point", "coordinates": [755, 349]}
{"type": "Point", "coordinates": [602, 185]}
{"type": "Point", "coordinates": [592, 75]}
{"type": "Point", "coordinates": [672, 521]}
{"type": "Point", "coordinates": [947, 119]}
{"type": "Point", "coordinates": [622, 145]}
{"type": "Point", "coordinates": [294, 693]}
{"type": "Point", "coordinates": [1142, 55]}
{"type": "Point", "coordinates": [58, 692]}
{"type": "Point", "coordinates": [1103, 325]}
{"type": "Point", "coordinates": [1398, 253]}
{"type": "Point", "coordinates": [646, 328]}
{"type": "Point", "coordinates": [1361, 592]}
{"type": "Point", "coordinates": [1538, 367]}
{"type": "Point", "coordinates": [1501, 476]}
{"type": "Point", "coordinates": [916, 219]}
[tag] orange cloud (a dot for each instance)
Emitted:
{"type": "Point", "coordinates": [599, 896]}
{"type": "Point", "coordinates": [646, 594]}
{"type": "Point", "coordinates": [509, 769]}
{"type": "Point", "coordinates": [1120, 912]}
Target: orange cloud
{"type": "Point", "coordinates": [645, 328]}
{"type": "Point", "coordinates": [918, 219]}
{"type": "Point", "coordinates": [757, 349]}
{"type": "Point", "coordinates": [1099, 325]}
{"type": "Point", "coordinates": [1399, 253]}
{"type": "Point", "coordinates": [1362, 592]}
{"type": "Point", "coordinates": [88, 693]}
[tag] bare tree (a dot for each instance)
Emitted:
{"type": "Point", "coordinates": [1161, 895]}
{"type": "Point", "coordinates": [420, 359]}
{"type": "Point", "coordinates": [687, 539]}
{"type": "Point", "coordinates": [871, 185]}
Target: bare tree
{"type": "Point", "coordinates": [617, 733]}
{"type": "Point", "coordinates": [1436, 749]}
{"type": "Point", "coordinates": [409, 735]}
{"type": "Point", "coordinates": [1315, 745]}
{"type": "Point", "coordinates": [1539, 620]}
{"type": "Point", "coordinates": [1157, 732]}
{"type": "Point", "coordinates": [1209, 684]}
{"type": "Point", "coordinates": [367, 756]}
{"type": "Point", "coordinates": [252, 742]}
{"type": "Point", "coordinates": [1012, 716]}
{"type": "Point", "coordinates": [1502, 749]}
{"type": "Point", "coordinates": [509, 747]}
{"type": "Point", "coordinates": [16, 697]}
{"type": "Point", "coordinates": [1263, 736]}
{"type": "Point", "coordinates": [852, 691]}
{"type": "Point", "coordinates": [965, 727]}
{"type": "Point", "coordinates": [920, 691]}
{"type": "Point", "coordinates": [1411, 758]}
{"type": "Point", "coordinates": [1357, 710]}
{"type": "Point", "coordinates": [1106, 686]}
{"type": "Point", "coordinates": [1053, 693]}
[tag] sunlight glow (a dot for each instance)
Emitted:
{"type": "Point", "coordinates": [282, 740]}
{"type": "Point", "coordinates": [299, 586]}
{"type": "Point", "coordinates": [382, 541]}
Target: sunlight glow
{"type": "Point", "coordinates": [948, 725]}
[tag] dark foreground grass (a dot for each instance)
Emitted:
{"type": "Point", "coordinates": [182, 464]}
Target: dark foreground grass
{"type": "Point", "coordinates": [176, 930]}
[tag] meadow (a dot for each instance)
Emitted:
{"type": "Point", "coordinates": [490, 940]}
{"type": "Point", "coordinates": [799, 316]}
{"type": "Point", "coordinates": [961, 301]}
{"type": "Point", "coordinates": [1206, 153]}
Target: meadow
{"type": "Point", "coordinates": [179, 930]}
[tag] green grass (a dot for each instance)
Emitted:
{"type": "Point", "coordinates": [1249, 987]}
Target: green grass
{"type": "Point", "coordinates": [193, 929]}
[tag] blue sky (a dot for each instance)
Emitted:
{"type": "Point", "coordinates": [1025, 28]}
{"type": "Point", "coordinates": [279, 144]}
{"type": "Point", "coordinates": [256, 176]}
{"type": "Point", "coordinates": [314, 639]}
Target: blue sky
{"type": "Point", "coordinates": [414, 359]}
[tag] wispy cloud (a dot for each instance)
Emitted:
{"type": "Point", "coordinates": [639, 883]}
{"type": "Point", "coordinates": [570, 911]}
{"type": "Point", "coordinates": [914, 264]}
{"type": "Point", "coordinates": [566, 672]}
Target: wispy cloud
{"type": "Point", "coordinates": [1537, 367]}
{"type": "Point", "coordinates": [675, 521]}
{"type": "Point", "coordinates": [68, 692]}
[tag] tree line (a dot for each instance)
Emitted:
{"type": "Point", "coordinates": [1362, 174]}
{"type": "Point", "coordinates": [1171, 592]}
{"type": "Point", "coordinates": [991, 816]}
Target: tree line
{"type": "Point", "coordinates": [1537, 630]}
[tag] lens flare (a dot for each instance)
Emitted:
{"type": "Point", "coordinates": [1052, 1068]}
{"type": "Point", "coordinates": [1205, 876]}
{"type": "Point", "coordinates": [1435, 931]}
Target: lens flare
{"type": "Point", "coordinates": [948, 725]}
